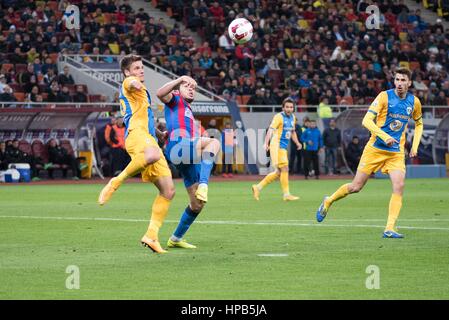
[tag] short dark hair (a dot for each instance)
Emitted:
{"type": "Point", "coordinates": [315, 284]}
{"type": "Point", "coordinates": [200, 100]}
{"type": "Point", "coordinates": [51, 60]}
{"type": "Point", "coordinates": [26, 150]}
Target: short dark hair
{"type": "Point", "coordinates": [404, 71]}
{"type": "Point", "coordinates": [128, 60]}
{"type": "Point", "coordinates": [287, 100]}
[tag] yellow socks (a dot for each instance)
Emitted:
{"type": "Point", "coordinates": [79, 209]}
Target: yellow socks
{"type": "Point", "coordinates": [284, 183]}
{"type": "Point", "coordinates": [137, 164]}
{"type": "Point", "coordinates": [158, 214]}
{"type": "Point", "coordinates": [393, 211]}
{"type": "Point", "coordinates": [340, 193]}
{"type": "Point", "coordinates": [267, 180]}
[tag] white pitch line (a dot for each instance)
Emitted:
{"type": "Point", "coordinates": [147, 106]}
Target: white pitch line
{"type": "Point", "coordinates": [230, 222]}
{"type": "Point", "coordinates": [273, 255]}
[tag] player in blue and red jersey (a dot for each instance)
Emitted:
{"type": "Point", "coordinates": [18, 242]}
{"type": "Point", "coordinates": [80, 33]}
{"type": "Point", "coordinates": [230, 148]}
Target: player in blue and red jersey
{"type": "Point", "coordinates": [192, 154]}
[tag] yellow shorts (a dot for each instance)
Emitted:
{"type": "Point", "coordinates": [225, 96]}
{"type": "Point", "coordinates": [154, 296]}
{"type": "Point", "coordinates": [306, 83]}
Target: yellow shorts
{"type": "Point", "coordinates": [374, 159]}
{"type": "Point", "coordinates": [279, 157]}
{"type": "Point", "coordinates": [136, 142]}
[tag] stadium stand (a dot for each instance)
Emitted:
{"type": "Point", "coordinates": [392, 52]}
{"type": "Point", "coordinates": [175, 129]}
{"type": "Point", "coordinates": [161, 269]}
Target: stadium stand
{"type": "Point", "coordinates": [326, 40]}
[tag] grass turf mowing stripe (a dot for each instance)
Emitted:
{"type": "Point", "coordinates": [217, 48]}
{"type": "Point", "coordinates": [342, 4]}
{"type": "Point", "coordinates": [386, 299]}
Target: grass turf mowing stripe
{"type": "Point", "coordinates": [230, 222]}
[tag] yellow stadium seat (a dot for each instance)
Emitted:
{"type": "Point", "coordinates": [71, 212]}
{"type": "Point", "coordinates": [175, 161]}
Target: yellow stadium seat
{"type": "Point", "coordinates": [303, 24]}
{"type": "Point", "coordinates": [404, 64]}
{"type": "Point", "coordinates": [115, 49]}
{"type": "Point", "coordinates": [289, 52]}
{"type": "Point", "coordinates": [403, 36]}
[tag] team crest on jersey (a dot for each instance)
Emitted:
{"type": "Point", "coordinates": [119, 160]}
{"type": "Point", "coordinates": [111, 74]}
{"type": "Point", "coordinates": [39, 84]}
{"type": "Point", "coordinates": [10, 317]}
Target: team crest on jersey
{"type": "Point", "coordinates": [409, 110]}
{"type": "Point", "coordinates": [396, 125]}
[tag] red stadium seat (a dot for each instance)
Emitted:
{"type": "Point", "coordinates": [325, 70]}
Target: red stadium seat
{"type": "Point", "coordinates": [275, 76]}
{"type": "Point", "coordinates": [39, 150]}
{"type": "Point", "coordinates": [415, 65]}
{"type": "Point", "coordinates": [245, 99]}
{"type": "Point", "coordinates": [346, 100]}
{"type": "Point", "coordinates": [54, 57]}
{"type": "Point", "coordinates": [53, 5]}
{"type": "Point", "coordinates": [21, 67]}
{"type": "Point", "coordinates": [95, 98]}
{"type": "Point", "coordinates": [20, 96]}
{"type": "Point", "coordinates": [7, 67]}
{"type": "Point", "coordinates": [16, 87]}
{"type": "Point", "coordinates": [363, 64]}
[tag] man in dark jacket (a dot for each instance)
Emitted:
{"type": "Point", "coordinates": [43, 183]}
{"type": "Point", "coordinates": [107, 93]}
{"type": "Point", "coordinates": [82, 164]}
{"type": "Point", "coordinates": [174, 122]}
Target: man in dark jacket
{"type": "Point", "coordinates": [294, 152]}
{"type": "Point", "coordinates": [353, 153]}
{"type": "Point", "coordinates": [59, 155]}
{"type": "Point", "coordinates": [313, 141]}
{"type": "Point", "coordinates": [14, 155]}
{"type": "Point", "coordinates": [332, 142]}
{"type": "Point", "coordinates": [3, 162]}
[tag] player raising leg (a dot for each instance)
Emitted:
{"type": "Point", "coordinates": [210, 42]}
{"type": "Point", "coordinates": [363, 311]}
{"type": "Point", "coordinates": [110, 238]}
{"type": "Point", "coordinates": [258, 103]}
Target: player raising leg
{"type": "Point", "coordinates": [392, 110]}
{"type": "Point", "coordinates": [140, 142]}
{"type": "Point", "coordinates": [282, 128]}
{"type": "Point", "coordinates": [192, 154]}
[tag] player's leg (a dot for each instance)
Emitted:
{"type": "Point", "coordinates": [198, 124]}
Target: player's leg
{"type": "Point", "coordinates": [397, 178]}
{"type": "Point", "coordinates": [144, 151]}
{"type": "Point", "coordinates": [159, 211]}
{"type": "Point", "coordinates": [271, 177]}
{"type": "Point", "coordinates": [355, 186]}
{"type": "Point", "coordinates": [283, 168]}
{"type": "Point", "coordinates": [189, 215]}
{"type": "Point", "coordinates": [208, 149]}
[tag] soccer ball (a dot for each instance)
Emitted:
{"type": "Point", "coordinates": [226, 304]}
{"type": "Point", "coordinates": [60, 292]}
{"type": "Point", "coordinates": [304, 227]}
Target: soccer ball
{"type": "Point", "coordinates": [240, 30]}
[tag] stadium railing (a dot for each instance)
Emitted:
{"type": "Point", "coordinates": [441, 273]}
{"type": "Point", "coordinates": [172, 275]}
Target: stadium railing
{"type": "Point", "coordinates": [88, 58]}
{"type": "Point", "coordinates": [11, 106]}
{"type": "Point", "coordinates": [428, 111]}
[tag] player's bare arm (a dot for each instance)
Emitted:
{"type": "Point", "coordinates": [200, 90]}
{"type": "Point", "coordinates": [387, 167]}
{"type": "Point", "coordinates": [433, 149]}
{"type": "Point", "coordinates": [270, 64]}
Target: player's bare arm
{"type": "Point", "coordinates": [165, 92]}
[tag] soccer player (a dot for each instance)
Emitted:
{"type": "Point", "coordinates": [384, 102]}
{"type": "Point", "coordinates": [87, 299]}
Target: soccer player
{"type": "Point", "coordinates": [141, 144]}
{"type": "Point", "coordinates": [192, 154]}
{"type": "Point", "coordinates": [281, 129]}
{"type": "Point", "coordinates": [391, 110]}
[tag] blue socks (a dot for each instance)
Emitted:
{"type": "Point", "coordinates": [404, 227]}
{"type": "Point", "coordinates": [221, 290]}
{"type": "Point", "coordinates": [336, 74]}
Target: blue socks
{"type": "Point", "coordinates": [186, 221]}
{"type": "Point", "coordinates": [207, 163]}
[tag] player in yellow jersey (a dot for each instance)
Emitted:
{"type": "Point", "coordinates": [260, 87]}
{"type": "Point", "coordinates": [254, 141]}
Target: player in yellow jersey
{"type": "Point", "coordinates": [391, 110]}
{"type": "Point", "coordinates": [140, 142]}
{"type": "Point", "coordinates": [282, 128]}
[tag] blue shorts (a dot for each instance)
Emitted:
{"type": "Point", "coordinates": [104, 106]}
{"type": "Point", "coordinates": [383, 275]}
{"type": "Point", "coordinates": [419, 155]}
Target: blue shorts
{"type": "Point", "coordinates": [182, 154]}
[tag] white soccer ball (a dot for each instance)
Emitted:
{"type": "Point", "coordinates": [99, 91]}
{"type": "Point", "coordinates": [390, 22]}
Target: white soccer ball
{"type": "Point", "coordinates": [240, 30]}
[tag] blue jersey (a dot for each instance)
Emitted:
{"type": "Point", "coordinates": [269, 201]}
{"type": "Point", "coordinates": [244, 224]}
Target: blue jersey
{"type": "Point", "coordinates": [393, 114]}
{"type": "Point", "coordinates": [283, 126]}
{"type": "Point", "coordinates": [179, 119]}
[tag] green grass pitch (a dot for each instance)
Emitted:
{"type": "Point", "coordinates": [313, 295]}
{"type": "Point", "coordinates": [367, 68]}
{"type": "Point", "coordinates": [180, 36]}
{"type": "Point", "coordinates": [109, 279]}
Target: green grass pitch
{"type": "Point", "coordinates": [246, 249]}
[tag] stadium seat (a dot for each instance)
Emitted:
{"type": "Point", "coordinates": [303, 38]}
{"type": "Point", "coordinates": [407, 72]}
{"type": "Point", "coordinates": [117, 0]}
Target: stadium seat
{"type": "Point", "coordinates": [346, 100]}
{"type": "Point", "coordinates": [404, 64]}
{"type": "Point", "coordinates": [303, 24]}
{"type": "Point", "coordinates": [16, 87]}
{"type": "Point", "coordinates": [406, 47]}
{"type": "Point", "coordinates": [54, 57]}
{"type": "Point", "coordinates": [403, 36]}
{"type": "Point", "coordinates": [21, 67]}
{"type": "Point", "coordinates": [363, 64]}
{"type": "Point", "coordinates": [7, 67]}
{"type": "Point", "coordinates": [95, 98]}
{"type": "Point", "coordinates": [414, 65]}
{"type": "Point", "coordinates": [115, 49]}
{"type": "Point", "coordinates": [20, 96]}
{"type": "Point", "coordinates": [173, 39]}
{"type": "Point", "coordinates": [341, 44]}
{"type": "Point", "coordinates": [275, 76]}
{"type": "Point", "coordinates": [245, 99]}
{"type": "Point", "coordinates": [53, 5]}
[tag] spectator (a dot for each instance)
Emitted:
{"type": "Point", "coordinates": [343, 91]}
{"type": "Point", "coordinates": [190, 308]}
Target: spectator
{"type": "Point", "coordinates": [439, 100]}
{"type": "Point", "coordinates": [295, 154]}
{"type": "Point", "coordinates": [2, 83]}
{"type": "Point", "coordinates": [65, 77]}
{"type": "Point", "coordinates": [314, 144]}
{"type": "Point", "coordinates": [14, 155]}
{"type": "Point", "coordinates": [80, 95]}
{"type": "Point", "coordinates": [3, 162]}
{"type": "Point", "coordinates": [258, 98]}
{"type": "Point", "coordinates": [59, 155]}
{"type": "Point", "coordinates": [115, 137]}
{"type": "Point", "coordinates": [332, 143]}
{"type": "Point", "coordinates": [354, 153]}
{"type": "Point", "coordinates": [325, 112]}
{"type": "Point", "coordinates": [64, 95]}
{"type": "Point", "coordinates": [7, 96]}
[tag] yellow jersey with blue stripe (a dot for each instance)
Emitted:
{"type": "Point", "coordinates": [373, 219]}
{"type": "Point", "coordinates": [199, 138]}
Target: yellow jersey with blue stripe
{"type": "Point", "coordinates": [135, 107]}
{"type": "Point", "coordinates": [283, 126]}
{"type": "Point", "coordinates": [392, 117]}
